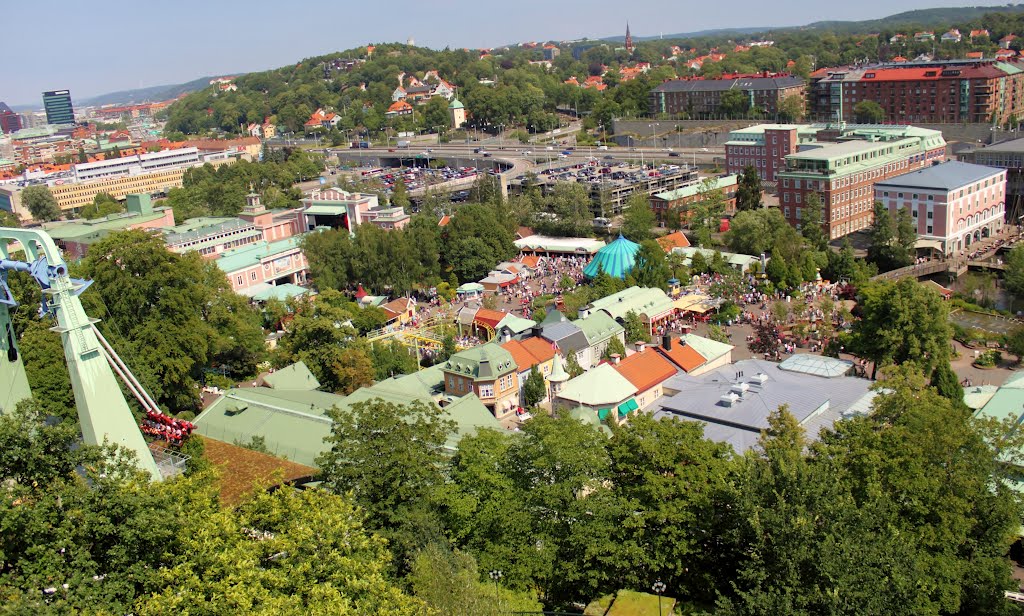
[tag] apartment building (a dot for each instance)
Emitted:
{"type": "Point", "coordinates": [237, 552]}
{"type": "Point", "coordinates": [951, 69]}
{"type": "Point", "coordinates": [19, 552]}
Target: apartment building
{"type": "Point", "coordinates": [700, 96]}
{"type": "Point", "coordinates": [844, 164]}
{"type": "Point", "coordinates": [974, 90]}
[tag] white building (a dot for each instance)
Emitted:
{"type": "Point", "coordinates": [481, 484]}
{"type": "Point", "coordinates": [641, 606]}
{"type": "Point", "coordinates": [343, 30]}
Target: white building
{"type": "Point", "coordinates": [138, 164]}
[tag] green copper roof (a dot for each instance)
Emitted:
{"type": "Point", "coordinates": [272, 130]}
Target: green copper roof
{"type": "Point", "coordinates": [296, 376]}
{"type": "Point", "coordinates": [640, 300]}
{"type": "Point", "coordinates": [251, 255]}
{"type": "Point", "coordinates": [281, 292]}
{"type": "Point", "coordinates": [599, 327]}
{"type": "Point", "coordinates": [558, 373]}
{"type": "Point", "coordinates": [293, 423]}
{"type": "Point", "coordinates": [80, 230]}
{"type": "Point", "coordinates": [456, 104]}
{"type": "Point", "coordinates": [515, 323]}
{"type": "Point", "coordinates": [707, 348]}
{"type": "Point", "coordinates": [616, 259]}
{"type": "Point", "coordinates": [602, 386]}
{"type": "Point", "coordinates": [484, 363]}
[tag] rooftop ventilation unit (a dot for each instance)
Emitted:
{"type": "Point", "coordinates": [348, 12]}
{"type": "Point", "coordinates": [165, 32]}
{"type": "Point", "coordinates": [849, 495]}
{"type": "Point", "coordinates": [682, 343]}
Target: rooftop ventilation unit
{"type": "Point", "coordinates": [759, 379]}
{"type": "Point", "coordinates": [729, 399]}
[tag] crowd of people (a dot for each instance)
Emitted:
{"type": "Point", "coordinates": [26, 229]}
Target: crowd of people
{"type": "Point", "coordinates": [165, 427]}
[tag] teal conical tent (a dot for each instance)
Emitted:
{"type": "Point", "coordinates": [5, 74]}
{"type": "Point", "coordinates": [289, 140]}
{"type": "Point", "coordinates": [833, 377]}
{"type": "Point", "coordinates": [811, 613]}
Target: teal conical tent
{"type": "Point", "coordinates": [616, 259]}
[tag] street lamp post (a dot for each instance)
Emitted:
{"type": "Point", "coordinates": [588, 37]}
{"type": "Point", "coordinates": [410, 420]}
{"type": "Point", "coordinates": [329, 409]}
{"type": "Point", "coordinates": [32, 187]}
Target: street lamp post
{"type": "Point", "coordinates": [496, 575]}
{"type": "Point", "coordinates": [659, 587]}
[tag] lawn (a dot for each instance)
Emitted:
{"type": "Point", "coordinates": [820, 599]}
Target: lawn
{"type": "Point", "coordinates": [630, 603]}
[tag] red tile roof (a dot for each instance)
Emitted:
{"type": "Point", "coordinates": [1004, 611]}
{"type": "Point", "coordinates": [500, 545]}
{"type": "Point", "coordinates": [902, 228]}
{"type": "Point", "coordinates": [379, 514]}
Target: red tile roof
{"type": "Point", "coordinates": [686, 357]}
{"type": "Point", "coordinates": [530, 352]}
{"type": "Point", "coordinates": [489, 317]}
{"type": "Point", "coordinates": [647, 369]}
{"type": "Point", "coordinates": [539, 348]}
{"type": "Point", "coordinates": [523, 358]}
{"type": "Point", "coordinates": [673, 240]}
{"type": "Point", "coordinates": [531, 261]}
{"type": "Point", "coordinates": [398, 306]}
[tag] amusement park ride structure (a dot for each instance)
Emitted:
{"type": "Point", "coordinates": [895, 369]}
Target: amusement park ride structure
{"type": "Point", "coordinates": [103, 412]}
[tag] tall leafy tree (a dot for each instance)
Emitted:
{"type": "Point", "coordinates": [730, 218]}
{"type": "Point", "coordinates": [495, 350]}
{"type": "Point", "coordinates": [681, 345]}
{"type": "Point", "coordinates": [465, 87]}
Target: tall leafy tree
{"type": "Point", "coordinates": [812, 223]}
{"type": "Point", "coordinates": [170, 316]}
{"type": "Point", "coordinates": [636, 331]}
{"type": "Point", "coordinates": [706, 211]}
{"type": "Point", "coordinates": [868, 112]}
{"type": "Point", "coordinates": [902, 322]}
{"type": "Point", "coordinates": [534, 390]}
{"type": "Point", "coordinates": [390, 457]}
{"type": "Point", "coordinates": [748, 193]}
{"type": "Point", "coordinates": [400, 195]}
{"type": "Point", "coordinates": [639, 220]}
{"type": "Point", "coordinates": [651, 269]}
{"type": "Point", "coordinates": [102, 205]}
{"type": "Point", "coordinates": [41, 203]}
{"type": "Point", "coordinates": [1014, 274]}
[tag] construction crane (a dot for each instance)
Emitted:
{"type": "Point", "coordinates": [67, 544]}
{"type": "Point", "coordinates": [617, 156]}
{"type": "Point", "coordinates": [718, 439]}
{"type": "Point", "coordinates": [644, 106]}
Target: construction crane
{"type": "Point", "coordinates": [103, 412]}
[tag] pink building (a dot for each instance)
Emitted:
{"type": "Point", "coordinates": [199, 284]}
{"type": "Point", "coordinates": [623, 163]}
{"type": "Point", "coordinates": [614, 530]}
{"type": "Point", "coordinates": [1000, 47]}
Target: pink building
{"type": "Point", "coordinates": [212, 236]}
{"type": "Point", "coordinates": [337, 209]}
{"type": "Point", "coordinates": [254, 268]}
{"type": "Point", "coordinates": [953, 204]}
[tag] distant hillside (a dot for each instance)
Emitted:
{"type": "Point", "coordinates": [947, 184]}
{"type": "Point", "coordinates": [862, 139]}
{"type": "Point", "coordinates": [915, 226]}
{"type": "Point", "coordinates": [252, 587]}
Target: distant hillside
{"type": "Point", "coordinates": [683, 35]}
{"type": "Point", "coordinates": [143, 95]}
{"type": "Point", "coordinates": [923, 17]}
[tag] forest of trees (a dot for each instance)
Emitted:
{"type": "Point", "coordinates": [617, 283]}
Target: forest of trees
{"type": "Point", "coordinates": [902, 511]}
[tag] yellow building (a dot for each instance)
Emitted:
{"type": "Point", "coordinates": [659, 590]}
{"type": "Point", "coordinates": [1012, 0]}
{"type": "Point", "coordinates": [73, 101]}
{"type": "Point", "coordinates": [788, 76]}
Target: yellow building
{"type": "Point", "coordinates": [75, 195]}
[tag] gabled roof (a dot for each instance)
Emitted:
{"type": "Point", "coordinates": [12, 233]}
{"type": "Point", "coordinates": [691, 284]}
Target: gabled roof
{"type": "Point", "coordinates": [530, 352]}
{"type": "Point", "coordinates": [640, 300]}
{"type": "Point", "coordinates": [398, 306]}
{"type": "Point", "coordinates": [489, 317]}
{"type": "Point", "coordinates": [515, 323]}
{"type": "Point", "coordinates": [673, 240]}
{"type": "Point", "coordinates": [483, 363]}
{"type": "Point", "coordinates": [598, 327]}
{"type": "Point", "coordinates": [684, 356]}
{"type": "Point", "coordinates": [708, 348]}
{"type": "Point", "coordinates": [601, 386]}
{"type": "Point", "coordinates": [647, 369]}
{"type": "Point", "coordinates": [539, 348]}
{"type": "Point", "coordinates": [399, 106]}
{"type": "Point", "coordinates": [295, 376]}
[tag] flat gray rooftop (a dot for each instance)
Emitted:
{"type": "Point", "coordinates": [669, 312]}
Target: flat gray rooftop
{"type": "Point", "coordinates": [815, 401]}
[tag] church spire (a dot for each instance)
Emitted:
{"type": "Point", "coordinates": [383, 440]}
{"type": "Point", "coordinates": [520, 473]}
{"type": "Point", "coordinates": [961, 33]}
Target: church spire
{"type": "Point", "coordinates": [629, 39]}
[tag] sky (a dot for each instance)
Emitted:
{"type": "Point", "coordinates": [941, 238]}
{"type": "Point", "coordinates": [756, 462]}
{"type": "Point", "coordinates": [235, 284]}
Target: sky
{"type": "Point", "coordinates": [96, 48]}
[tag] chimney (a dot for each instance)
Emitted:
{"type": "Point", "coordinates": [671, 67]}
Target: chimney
{"type": "Point", "coordinates": [615, 359]}
{"type": "Point", "coordinates": [666, 342]}
{"type": "Point", "coordinates": [640, 346]}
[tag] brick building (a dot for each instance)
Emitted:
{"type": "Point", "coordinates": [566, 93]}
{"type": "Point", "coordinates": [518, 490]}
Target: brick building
{"type": "Point", "coordinates": [984, 91]}
{"type": "Point", "coordinates": [765, 147]}
{"type": "Point", "coordinates": [699, 96]}
{"type": "Point", "coordinates": [842, 167]}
